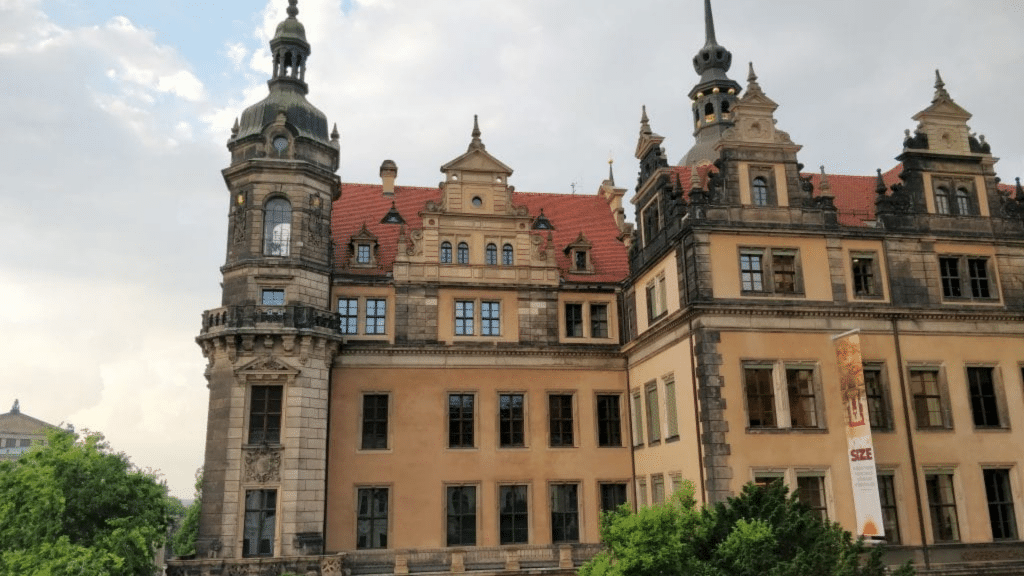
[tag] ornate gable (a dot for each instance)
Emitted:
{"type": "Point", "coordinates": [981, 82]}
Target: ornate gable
{"type": "Point", "coordinates": [266, 368]}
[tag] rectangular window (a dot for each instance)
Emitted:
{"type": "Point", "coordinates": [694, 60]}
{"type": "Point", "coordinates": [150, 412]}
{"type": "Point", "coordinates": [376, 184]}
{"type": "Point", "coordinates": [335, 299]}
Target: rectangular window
{"type": "Point", "coordinates": [613, 495]}
{"type": "Point", "coordinates": [878, 401]}
{"type": "Point", "coordinates": [653, 418]}
{"type": "Point", "coordinates": [1000, 504]}
{"type": "Point", "coordinates": [942, 507]}
{"type": "Point", "coordinates": [565, 516]}
{"type": "Point", "coordinates": [928, 404]}
{"type": "Point", "coordinates": [638, 426]}
{"type": "Point", "coordinates": [464, 315]}
{"type": "Point", "coordinates": [784, 271]}
{"type": "Point", "coordinates": [490, 318]}
{"type": "Point", "coordinates": [273, 297]}
{"type": "Point", "coordinates": [560, 414]}
{"type": "Point", "coordinates": [574, 320]}
{"type": "Point", "coordinates": [460, 420]}
{"type": "Point", "coordinates": [363, 254]}
{"type": "Point", "coordinates": [651, 220]}
{"type": "Point", "coordinates": [513, 514]}
{"type": "Point", "coordinates": [260, 521]}
{"type": "Point", "coordinates": [760, 397]}
{"type": "Point", "coordinates": [598, 320]}
{"type": "Point", "coordinates": [676, 482]}
{"type": "Point", "coordinates": [348, 310]}
{"type": "Point", "coordinates": [803, 411]}
{"type": "Point", "coordinates": [811, 491]}
{"type": "Point", "coordinates": [657, 298]}
{"type": "Point", "coordinates": [511, 420]}
{"type": "Point", "coordinates": [764, 479]}
{"type": "Point", "coordinates": [657, 488]}
{"type": "Point", "coordinates": [265, 415]}
{"type": "Point", "coordinates": [887, 498]}
{"type": "Point", "coordinates": [864, 280]}
{"type": "Point", "coordinates": [671, 411]}
{"type": "Point", "coordinates": [461, 515]}
{"type": "Point", "coordinates": [375, 422]}
{"type": "Point", "coordinates": [641, 492]}
{"type": "Point", "coordinates": [984, 404]}
{"type": "Point", "coordinates": [372, 518]}
{"type": "Point", "coordinates": [609, 423]}
{"type": "Point", "coordinates": [376, 316]}
{"type": "Point", "coordinates": [752, 272]}
{"type": "Point", "coordinates": [770, 270]}
{"type": "Point", "coordinates": [976, 285]}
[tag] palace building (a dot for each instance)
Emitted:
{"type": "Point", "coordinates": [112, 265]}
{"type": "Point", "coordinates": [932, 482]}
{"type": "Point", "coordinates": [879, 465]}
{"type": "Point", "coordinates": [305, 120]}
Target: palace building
{"type": "Point", "coordinates": [460, 378]}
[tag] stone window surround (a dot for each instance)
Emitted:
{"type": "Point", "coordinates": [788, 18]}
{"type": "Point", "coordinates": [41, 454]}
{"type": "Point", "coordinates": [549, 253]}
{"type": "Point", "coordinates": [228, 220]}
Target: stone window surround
{"type": "Point", "coordinates": [599, 421]}
{"type": "Point", "coordinates": [586, 302]}
{"type": "Point", "coordinates": [999, 388]}
{"type": "Point", "coordinates": [789, 476]}
{"type": "Point", "coordinates": [525, 420]}
{"type": "Point", "coordinates": [474, 433]}
{"type": "Point", "coordinates": [767, 256]}
{"type": "Point", "coordinates": [939, 369]}
{"type": "Point", "coordinates": [362, 297]}
{"type": "Point", "coordinates": [780, 385]}
{"type": "Point", "coordinates": [886, 396]}
{"type": "Point", "coordinates": [358, 438]}
{"type": "Point", "coordinates": [964, 279]}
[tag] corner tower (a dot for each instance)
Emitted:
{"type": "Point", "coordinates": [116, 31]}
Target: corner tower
{"type": "Point", "coordinates": [713, 98]}
{"type": "Point", "coordinates": [271, 343]}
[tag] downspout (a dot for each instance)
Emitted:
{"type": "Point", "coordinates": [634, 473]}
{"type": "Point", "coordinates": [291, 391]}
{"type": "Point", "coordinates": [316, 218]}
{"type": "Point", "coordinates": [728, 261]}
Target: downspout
{"type": "Point", "coordinates": [910, 443]}
{"type": "Point", "coordinates": [696, 413]}
{"type": "Point", "coordinates": [623, 334]}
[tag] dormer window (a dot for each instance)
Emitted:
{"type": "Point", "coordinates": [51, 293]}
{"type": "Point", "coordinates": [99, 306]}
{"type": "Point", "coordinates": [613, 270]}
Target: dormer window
{"type": "Point", "coordinates": [491, 255]}
{"type": "Point", "coordinates": [463, 253]}
{"type": "Point", "coordinates": [363, 249]}
{"type": "Point", "coordinates": [507, 256]}
{"type": "Point", "coordinates": [579, 253]}
{"type": "Point", "coordinates": [762, 186]}
{"type": "Point", "coordinates": [446, 252]}
{"type": "Point", "coordinates": [651, 220]}
{"type": "Point", "coordinates": [954, 197]}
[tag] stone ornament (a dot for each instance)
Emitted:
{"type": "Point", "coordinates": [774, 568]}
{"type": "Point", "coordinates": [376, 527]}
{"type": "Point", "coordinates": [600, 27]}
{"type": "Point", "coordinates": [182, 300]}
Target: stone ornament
{"type": "Point", "coordinates": [263, 464]}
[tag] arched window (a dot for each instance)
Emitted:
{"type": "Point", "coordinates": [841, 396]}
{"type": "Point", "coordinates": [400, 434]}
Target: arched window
{"type": "Point", "coordinates": [709, 112]}
{"type": "Point", "coordinates": [963, 202]}
{"type": "Point", "coordinates": [760, 191]}
{"type": "Point", "coordinates": [277, 227]}
{"type": "Point", "coordinates": [446, 252]}
{"type": "Point", "coordinates": [463, 255]}
{"type": "Point", "coordinates": [942, 200]}
{"type": "Point", "coordinates": [725, 107]}
{"type": "Point", "coordinates": [506, 255]}
{"type": "Point", "coordinates": [491, 255]}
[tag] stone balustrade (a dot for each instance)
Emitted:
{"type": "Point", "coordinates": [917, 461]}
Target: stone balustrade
{"type": "Point", "coordinates": [253, 316]}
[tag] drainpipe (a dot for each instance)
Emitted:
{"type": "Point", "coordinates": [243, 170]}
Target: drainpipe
{"type": "Point", "coordinates": [696, 413]}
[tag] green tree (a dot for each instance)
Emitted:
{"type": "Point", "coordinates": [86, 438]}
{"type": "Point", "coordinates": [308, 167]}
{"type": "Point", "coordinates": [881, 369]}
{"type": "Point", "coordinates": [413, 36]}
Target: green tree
{"type": "Point", "coordinates": [74, 507]}
{"type": "Point", "coordinates": [184, 540]}
{"type": "Point", "coordinates": [761, 532]}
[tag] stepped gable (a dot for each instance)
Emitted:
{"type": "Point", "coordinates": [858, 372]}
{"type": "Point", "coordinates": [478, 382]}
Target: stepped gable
{"type": "Point", "coordinates": [569, 214]}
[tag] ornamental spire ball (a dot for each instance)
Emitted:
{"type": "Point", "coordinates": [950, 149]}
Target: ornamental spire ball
{"type": "Point", "coordinates": [293, 8]}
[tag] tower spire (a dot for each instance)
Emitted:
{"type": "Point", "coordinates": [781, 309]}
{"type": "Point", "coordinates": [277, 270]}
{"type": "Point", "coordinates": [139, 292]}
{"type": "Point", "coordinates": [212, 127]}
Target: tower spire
{"type": "Point", "coordinates": [709, 25]}
{"type": "Point", "coordinates": [476, 144]}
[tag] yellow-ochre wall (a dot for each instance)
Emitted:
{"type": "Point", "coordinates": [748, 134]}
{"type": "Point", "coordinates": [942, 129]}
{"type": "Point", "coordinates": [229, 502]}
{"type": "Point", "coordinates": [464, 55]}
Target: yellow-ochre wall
{"type": "Point", "coordinates": [418, 464]}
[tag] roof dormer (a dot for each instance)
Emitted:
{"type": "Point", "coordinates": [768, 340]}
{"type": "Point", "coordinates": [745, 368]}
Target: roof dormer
{"type": "Point", "coordinates": [476, 182]}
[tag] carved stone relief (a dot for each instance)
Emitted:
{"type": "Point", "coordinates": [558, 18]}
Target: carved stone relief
{"type": "Point", "coordinates": [263, 464]}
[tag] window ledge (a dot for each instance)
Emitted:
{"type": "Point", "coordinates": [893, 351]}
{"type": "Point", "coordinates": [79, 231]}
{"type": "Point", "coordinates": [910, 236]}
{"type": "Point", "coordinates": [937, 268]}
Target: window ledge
{"type": "Point", "coordinates": [671, 439]}
{"type": "Point", "coordinates": [991, 429]}
{"type": "Point", "coordinates": [619, 447]}
{"type": "Point", "coordinates": [787, 430]}
{"type": "Point", "coordinates": [931, 429]}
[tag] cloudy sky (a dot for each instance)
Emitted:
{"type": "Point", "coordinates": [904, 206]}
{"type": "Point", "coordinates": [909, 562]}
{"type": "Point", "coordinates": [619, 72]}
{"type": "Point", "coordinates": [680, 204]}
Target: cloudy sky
{"type": "Point", "coordinates": [116, 114]}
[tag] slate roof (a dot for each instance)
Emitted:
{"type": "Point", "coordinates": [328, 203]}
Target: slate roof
{"type": "Point", "coordinates": [569, 214]}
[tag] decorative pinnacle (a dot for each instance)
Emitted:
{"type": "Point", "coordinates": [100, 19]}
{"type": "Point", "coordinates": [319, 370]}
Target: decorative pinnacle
{"type": "Point", "coordinates": [694, 177]}
{"type": "Point", "coordinates": [940, 88]}
{"type": "Point", "coordinates": [825, 186]}
{"type": "Point", "coordinates": [476, 144]}
{"type": "Point", "coordinates": [880, 187]}
{"type": "Point", "coordinates": [334, 133]}
{"type": "Point", "coordinates": [611, 175]}
{"type": "Point", "coordinates": [752, 85]}
{"type": "Point", "coordinates": [293, 8]}
{"type": "Point", "coordinates": [645, 126]}
{"type": "Point", "coordinates": [1020, 191]}
{"type": "Point", "coordinates": [234, 129]}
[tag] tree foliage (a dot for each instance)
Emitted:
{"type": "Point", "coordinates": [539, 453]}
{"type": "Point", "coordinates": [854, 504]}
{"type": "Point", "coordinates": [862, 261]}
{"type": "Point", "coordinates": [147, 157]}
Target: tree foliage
{"type": "Point", "coordinates": [184, 539]}
{"type": "Point", "coordinates": [74, 507]}
{"type": "Point", "coordinates": [762, 532]}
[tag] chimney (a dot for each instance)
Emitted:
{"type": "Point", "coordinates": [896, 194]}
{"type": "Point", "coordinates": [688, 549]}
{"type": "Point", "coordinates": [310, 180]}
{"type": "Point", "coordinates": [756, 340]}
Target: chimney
{"type": "Point", "coordinates": [388, 173]}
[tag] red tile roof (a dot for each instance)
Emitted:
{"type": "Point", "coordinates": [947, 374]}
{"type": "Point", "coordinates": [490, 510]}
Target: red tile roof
{"type": "Point", "coordinates": [569, 215]}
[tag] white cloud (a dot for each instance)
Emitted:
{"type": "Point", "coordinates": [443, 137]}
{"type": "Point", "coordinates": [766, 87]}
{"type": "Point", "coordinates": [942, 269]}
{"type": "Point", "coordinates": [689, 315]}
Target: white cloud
{"type": "Point", "coordinates": [236, 53]}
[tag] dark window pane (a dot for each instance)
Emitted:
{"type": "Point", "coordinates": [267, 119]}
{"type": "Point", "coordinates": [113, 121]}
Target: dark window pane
{"type": "Point", "coordinates": [461, 503]}
{"type": "Point", "coordinates": [574, 320]}
{"type": "Point", "coordinates": [890, 518]}
{"type": "Point", "coordinates": [1000, 505]}
{"type": "Point", "coordinates": [375, 422]}
{"type": "Point", "coordinates": [612, 496]}
{"type": "Point", "coordinates": [260, 519]}
{"type": "Point", "coordinates": [560, 412]}
{"type": "Point", "coordinates": [460, 420]}
{"type": "Point", "coordinates": [511, 419]}
{"type": "Point", "coordinates": [513, 515]}
{"type": "Point", "coordinates": [265, 415]}
{"type": "Point", "coordinates": [942, 507]}
{"type": "Point", "coordinates": [609, 425]}
{"type": "Point", "coordinates": [372, 518]}
{"type": "Point", "coordinates": [983, 397]}
{"type": "Point", "coordinates": [564, 513]}
{"type": "Point", "coordinates": [802, 406]}
{"type": "Point", "coordinates": [760, 397]}
{"type": "Point", "coordinates": [598, 320]}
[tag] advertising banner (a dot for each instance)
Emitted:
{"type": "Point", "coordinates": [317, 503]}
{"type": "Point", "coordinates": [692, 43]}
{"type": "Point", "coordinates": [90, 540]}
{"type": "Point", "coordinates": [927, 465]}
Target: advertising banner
{"type": "Point", "coordinates": [861, 453]}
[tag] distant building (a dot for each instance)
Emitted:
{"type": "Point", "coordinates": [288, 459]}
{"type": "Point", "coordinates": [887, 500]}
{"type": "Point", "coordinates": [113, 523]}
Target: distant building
{"type": "Point", "coordinates": [19, 431]}
{"type": "Point", "coordinates": [460, 378]}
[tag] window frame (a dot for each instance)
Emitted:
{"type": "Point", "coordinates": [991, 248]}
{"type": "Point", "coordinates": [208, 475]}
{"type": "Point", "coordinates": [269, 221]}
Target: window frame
{"type": "Point", "coordinates": [603, 501]}
{"type": "Point", "coordinates": [277, 227]}
{"type": "Point", "coordinates": [963, 284]}
{"type": "Point", "coordinates": [515, 516]}
{"type": "Point", "coordinates": [608, 420]}
{"type": "Point", "coordinates": [363, 254]}
{"type": "Point", "coordinates": [491, 254]}
{"type": "Point", "coordinates": [871, 273]}
{"type": "Point", "coordinates": [374, 440]}
{"type": "Point", "coordinates": [262, 513]}
{"type": "Point", "coordinates": [941, 393]}
{"type": "Point", "coordinates": [465, 317]}
{"type": "Point", "coordinates": [564, 434]}
{"type": "Point", "coordinates": [1004, 504]}
{"type": "Point", "coordinates": [264, 433]}
{"type": "Point", "coordinates": [636, 411]}
{"type": "Point", "coordinates": [657, 298]}
{"type": "Point", "coordinates": [445, 252]}
{"type": "Point", "coordinates": [821, 478]}
{"type": "Point", "coordinates": [508, 255]}
{"type": "Point", "coordinates": [490, 325]}
{"type": "Point", "coordinates": [466, 520]}
{"type": "Point", "coordinates": [782, 408]}
{"type": "Point", "coordinates": [880, 403]}
{"type": "Point", "coordinates": [943, 505]}
{"type": "Point", "coordinates": [770, 271]}
{"type": "Point", "coordinates": [462, 253]}
{"type": "Point", "coordinates": [573, 315]}
{"type": "Point", "coordinates": [767, 175]}
{"type": "Point", "coordinates": [954, 196]}
{"type": "Point", "coordinates": [373, 518]}
{"type": "Point", "coordinates": [349, 317]}
{"type": "Point", "coordinates": [562, 520]}
{"type": "Point", "coordinates": [379, 325]}
{"type": "Point", "coordinates": [462, 420]}
{"type": "Point", "coordinates": [512, 421]}
{"type": "Point", "coordinates": [653, 413]}
{"type": "Point", "coordinates": [889, 503]}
